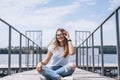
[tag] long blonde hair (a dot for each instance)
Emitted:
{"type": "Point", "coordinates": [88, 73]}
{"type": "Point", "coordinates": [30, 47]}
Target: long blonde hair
{"type": "Point", "coordinates": [57, 44]}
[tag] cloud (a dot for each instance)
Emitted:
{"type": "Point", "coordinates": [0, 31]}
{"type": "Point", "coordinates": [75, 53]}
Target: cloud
{"type": "Point", "coordinates": [16, 11]}
{"type": "Point", "coordinates": [22, 3]}
{"type": "Point", "coordinates": [13, 7]}
{"type": "Point", "coordinates": [82, 25]}
{"type": "Point", "coordinates": [22, 14]}
{"type": "Point", "coordinates": [31, 16]}
{"type": "Point", "coordinates": [34, 14]}
{"type": "Point", "coordinates": [86, 2]}
{"type": "Point", "coordinates": [114, 4]}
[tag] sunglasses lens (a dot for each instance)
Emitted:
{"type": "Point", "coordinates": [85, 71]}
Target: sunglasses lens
{"type": "Point", "coordinates": [61, 35]}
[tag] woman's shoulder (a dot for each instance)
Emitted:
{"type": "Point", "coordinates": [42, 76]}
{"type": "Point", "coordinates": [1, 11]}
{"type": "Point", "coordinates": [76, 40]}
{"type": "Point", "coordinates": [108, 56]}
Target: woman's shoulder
{"type": "Point", "coordinates": [51, 46]}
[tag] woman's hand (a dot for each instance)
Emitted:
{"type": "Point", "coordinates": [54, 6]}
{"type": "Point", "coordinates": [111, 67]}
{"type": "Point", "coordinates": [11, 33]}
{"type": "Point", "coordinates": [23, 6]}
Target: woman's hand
{"type": "Point", "coordinates": [66, 34]}
{"type": "Point", "coordinates": [39, 67]}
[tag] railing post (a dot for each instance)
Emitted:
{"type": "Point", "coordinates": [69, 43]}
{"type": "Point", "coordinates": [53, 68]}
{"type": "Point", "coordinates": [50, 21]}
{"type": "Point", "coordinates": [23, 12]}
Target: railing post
{"type": "Point", "coordinates": [20, 58]}
{"type": "Point", "coordinates": [76, 49]}
{"type": "Point", "coordinates": [83, 55]}
{"type": "Point", "coordinates": [9, 52]}
{"type": "Point", "coordinates": [101, 50]}
{"type": "Point", "coordinates": [87, 54]}
{"type": "Point", "coordinates": [37, 57]}
{"type": "Point", "coordinates": [118, 40]}
{"type": "Point", "coordinates": [28, 55]}
{"type": "Point", "coordinates": [93, 60]}
{"type": "Point", "coordinates": [80, 55]}
{"type": "Point", "coordinates": [41, 39]}
{"type": "Point", "coordinates": [40, 54]}
{"type": "Point", "coordinates": [77, 57]}
{"type": "Point", "coordinates": [98, 60]}
{"type": "Point", "coordinates": [33, 57]}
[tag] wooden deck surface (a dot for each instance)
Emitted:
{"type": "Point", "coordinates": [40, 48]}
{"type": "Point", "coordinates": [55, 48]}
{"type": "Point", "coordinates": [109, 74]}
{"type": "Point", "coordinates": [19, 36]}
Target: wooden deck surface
{"type": "Point", "coordinates": [34, 75]}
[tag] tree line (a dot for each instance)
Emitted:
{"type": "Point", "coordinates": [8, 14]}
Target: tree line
{"type": "Point", "coordinates": [16, 50]}
{"type": "Point", "coordinates": [106, 50]}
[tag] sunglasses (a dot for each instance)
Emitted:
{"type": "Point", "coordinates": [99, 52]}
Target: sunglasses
{"type": "Point", "coordinates": [59, 35]}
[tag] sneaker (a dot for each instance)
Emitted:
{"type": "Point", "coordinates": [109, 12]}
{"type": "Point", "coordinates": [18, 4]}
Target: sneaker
{"type": "Point", "coordinates": [43, 77]}
{"type": "Point", "coordinates": [68, 78]}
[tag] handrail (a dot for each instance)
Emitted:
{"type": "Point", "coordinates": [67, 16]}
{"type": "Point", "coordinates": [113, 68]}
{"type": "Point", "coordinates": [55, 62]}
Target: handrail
{"type": "Point", "coordinates": [102, 23]}
{"type": "Point", "coordinates": [84, 45]}
{"type": "Point", "coordinates": [34, 45]}
{"type": "Point", "coordinates": [16, 30]}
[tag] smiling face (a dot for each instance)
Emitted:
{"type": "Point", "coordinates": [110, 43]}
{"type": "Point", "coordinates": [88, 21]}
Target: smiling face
{"type": "Point", "coordinates": [60, 36]}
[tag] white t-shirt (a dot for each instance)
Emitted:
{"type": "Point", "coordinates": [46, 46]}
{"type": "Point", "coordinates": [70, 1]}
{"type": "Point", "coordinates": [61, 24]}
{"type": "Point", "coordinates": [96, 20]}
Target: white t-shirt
{"type": "Point", "coordinates": [57, 59]}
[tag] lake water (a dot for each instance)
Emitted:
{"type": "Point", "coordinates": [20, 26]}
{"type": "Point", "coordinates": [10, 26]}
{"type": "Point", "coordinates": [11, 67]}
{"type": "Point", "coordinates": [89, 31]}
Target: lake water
{"type": "Point", "coordinates": [108, 59]}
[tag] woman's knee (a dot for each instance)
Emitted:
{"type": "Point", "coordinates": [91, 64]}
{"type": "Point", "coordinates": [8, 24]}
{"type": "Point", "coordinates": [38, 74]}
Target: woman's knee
{"type": "Point", "coordinates": [73, 66]}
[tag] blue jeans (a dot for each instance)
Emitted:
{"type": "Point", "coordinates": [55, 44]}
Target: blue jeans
{"type": "Point", "coordinates": [55, 72]}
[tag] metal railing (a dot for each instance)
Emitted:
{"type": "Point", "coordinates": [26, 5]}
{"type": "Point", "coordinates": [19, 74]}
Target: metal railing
{"type": "Point", "coordinates": [30, 48]}
{"type": "Point", "coordinates": [84, 48]}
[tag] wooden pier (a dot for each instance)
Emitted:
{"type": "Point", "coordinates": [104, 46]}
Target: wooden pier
{"type": "Point", "coordinates": [83, 51]}
{"type": "Point", "coordinates": [79, 74]}
{"type": "Point", "coordinates": [14, 69]}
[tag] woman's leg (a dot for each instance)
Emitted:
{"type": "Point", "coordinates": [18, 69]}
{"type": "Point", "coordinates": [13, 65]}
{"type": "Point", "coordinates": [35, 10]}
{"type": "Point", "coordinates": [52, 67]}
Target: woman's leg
{"type": "Point", "coordinates": [66, 70]}
{"type": "Point", "coordinates": [49, 73]}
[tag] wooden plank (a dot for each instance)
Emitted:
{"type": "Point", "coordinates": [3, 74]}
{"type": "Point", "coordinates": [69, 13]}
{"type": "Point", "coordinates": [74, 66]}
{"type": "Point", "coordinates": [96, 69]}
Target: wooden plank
{"type": "Point", "coordinates": [27, 75]}
{"type": "Point", "coordinates": [24, 66]}
{"type": "Point", "coordinates": [34, 75]}
{"type": "Point", "coordinates": [15, 66]}
{"type": "Point", "coordinates": [80, 74]}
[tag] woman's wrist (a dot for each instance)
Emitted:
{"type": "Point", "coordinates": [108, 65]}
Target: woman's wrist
{"type": "Point", "coordinates": [69, 40]}
{"type": "Point", "coordinates": [42, 63]}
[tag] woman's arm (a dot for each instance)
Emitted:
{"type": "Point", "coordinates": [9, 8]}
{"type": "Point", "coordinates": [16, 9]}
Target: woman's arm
{"type": "Point", "coordinates": [70, 45]}
{"type": "Point", "coordinates": [71, 48]}
{"type": "Point", "coordinates": [47, 58]}
{"type": "Point", "coordinates": [44, 61]}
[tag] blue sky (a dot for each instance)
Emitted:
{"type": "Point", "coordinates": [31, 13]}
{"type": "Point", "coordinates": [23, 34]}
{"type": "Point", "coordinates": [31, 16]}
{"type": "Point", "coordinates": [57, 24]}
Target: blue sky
{"type": "Point", "coordinates": [49, 15]}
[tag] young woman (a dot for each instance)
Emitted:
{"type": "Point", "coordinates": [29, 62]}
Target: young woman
{"type": "Point", "coordinates": [59, 53]}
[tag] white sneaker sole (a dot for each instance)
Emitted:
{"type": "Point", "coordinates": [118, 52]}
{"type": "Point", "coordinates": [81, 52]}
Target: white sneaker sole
{"type": "Point", "coordinates": [43, 77]}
